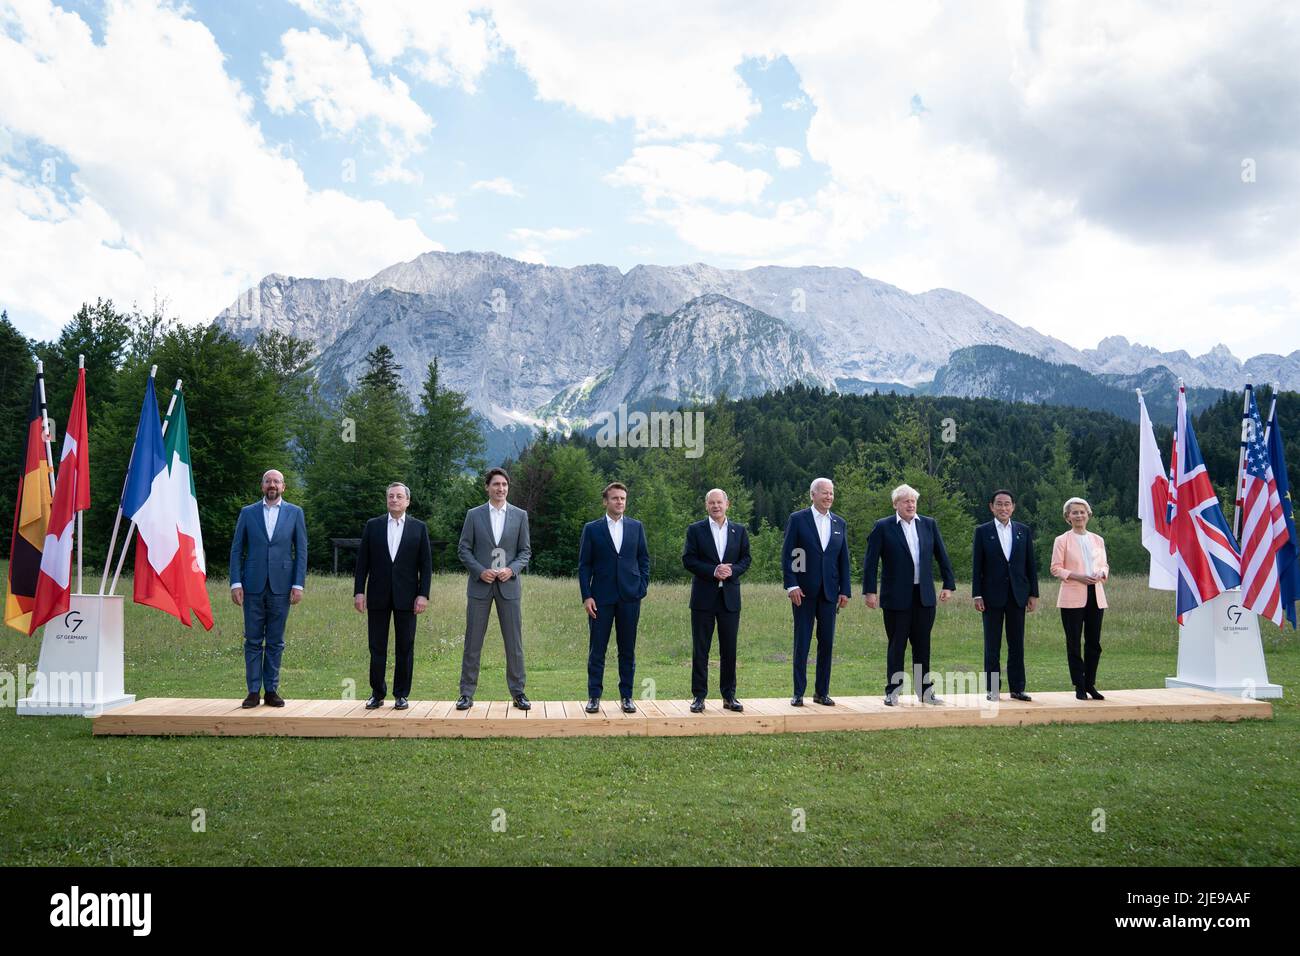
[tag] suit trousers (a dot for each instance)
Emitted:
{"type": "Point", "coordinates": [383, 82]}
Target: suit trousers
{"type": "Point", "coordinates": [815, 608]}
{"type": "Point", "coordinates": [1014, 617]}
{"type": "Point", "coordinates": [477, 611]}
{"type": "Point", "coordinates": [901, 626]}
{"type": "Point", "coordinates": [404, 641]}
{"type": "Point", "coordinates": [622, 617]}
{"type": "Point", "coordinates": [264, 618]}
{"type": "Point", "coordinates": [702, 624]}
{"type": "Point", "coordinates": [1085, 621]}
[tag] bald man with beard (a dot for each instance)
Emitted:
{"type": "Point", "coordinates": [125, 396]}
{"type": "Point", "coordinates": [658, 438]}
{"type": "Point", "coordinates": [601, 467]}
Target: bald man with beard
{"type": "Point", "coordinates": [268, 570]}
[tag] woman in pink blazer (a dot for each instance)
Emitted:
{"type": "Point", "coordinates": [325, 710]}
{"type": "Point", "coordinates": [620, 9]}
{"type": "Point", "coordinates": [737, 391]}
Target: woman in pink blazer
{"type": "Point", "coordinates": [1079, 560]}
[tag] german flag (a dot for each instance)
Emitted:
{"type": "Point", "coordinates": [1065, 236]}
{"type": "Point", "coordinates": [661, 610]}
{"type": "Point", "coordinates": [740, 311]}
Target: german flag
{"type": "Point", "coordinates": [31, 519]}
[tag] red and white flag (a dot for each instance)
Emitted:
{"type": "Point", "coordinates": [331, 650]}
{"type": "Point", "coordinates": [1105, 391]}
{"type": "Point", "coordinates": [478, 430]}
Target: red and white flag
{"type": "Point", "coordinates": [1155, 507]}
{"type": "Point", "coordinates": [71, 494]}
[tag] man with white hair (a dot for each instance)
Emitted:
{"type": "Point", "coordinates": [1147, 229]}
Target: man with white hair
{"type": "Point", "coordinates": [268, 569]}
{"type": "Point", "coordinates": [815, 565]}
{"type": "Point", "coordinates": [908, 544]}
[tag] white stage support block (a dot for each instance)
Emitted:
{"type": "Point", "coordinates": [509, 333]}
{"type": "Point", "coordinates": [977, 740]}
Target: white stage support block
{"type": "Point", "coordinates": [81, 667]}
{"type": "Point", "coordinates": [1219, 649]}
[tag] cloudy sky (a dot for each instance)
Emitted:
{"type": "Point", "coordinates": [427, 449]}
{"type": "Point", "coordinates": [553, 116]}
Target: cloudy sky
{"type": "Point", "coordinates": [1087, 169]}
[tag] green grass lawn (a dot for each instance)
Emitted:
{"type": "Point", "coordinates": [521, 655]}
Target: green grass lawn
{"type": "Point", "coordinates": [1172, 794]}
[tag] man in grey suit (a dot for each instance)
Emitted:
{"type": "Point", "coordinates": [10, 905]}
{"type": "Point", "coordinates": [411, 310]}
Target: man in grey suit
{"type": "Point", "coordinates": [494, 548]}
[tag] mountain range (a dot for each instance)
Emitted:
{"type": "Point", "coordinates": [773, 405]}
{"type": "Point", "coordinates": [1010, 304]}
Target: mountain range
{"type": "Point", "coordinates": [532, 344]}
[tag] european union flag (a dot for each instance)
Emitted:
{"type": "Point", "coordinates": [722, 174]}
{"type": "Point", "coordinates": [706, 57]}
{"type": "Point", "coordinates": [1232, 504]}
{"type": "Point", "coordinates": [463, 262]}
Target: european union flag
{"type": "Point", "coordinates": [1288, 569]}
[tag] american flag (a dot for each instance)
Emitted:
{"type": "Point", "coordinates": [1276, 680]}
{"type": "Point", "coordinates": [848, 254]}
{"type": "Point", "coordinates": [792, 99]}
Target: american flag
{"type": "Point", "coordinates": [1208, 560]}
{"type": "Point", "coordinates": [1263, 528]}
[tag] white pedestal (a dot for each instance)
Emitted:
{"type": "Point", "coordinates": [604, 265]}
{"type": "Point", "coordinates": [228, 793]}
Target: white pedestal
{"type": "Point", "coordinates": [1219, 649]}
{"type": "Point", "coordinates": [80, 671]}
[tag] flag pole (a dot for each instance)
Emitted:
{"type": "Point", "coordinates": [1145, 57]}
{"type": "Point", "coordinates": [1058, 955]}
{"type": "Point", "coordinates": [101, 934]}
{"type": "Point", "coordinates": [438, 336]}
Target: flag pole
{"type": "Point", "coordinates": [45, 421]}
{"type": "Point", "coordinates": [112, 542]}
{"type": "Point", "coordinates": [1238, 505]}
{"type": "Point", "coordinates": [82, 455]}
{"type": "Point", "coordinates": [126, 542]}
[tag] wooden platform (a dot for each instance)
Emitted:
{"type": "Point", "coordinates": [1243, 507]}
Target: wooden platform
{"type": "Point", "coordinates": [162, 716]}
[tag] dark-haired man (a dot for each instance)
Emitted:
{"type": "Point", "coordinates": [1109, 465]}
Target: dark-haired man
{"type": "Point", "coordinates": [494, 548]}
{"type": "Point", "coordinates": [1004, 582]}
{"type": "Point", "coordinates": [613, 575]}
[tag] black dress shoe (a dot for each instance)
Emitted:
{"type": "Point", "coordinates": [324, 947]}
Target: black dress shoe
{"type": "Point", "coordinates": [1092, 692]}
{"type": "Point", "coordinates": [464, 703]}
{"type": "Point", "coordinates": [374, 702]}
{"type": "Point", "coordinates": [1020, 695]}
{"type": "Point", "coordinates": [252, 700]}
{"type": "Point", "coordinates": [1080, 693]}
{"type": "Point", "coordinates": [796, 701]}
{"type": "Point", "coordinates": [825, 700]}
{"type": "Point", "coordinates": [523, 703]}
{"type": "Point", "coordinates": [933, 699]}
{"type": "Point", "coordinates": [400, 704]}
{"type": "Point", "coordinates": [697, 705]}
{"type": "Point", "coordinates": [891, 700]}
{"type": "Point", "coordinates": [992, 696]}
{"type": "Point", "coordinates": [730, 703]}
{"type": "Point", "coordinates": [628, 706]}
{"type": "Point", "coordinates": [593, 706]}
{"type": "Point", "coordinates": [273, 699]}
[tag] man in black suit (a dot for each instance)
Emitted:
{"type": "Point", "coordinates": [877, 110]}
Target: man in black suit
{"type": "Point", "coordinates": [394, 570]}
{"type": "Point", "coordinates": [613, 575]}
{"type": "Point", "coordinates": [815, 568]}
{"type": "Point", "coordinates": [1004, 582]}
{"type": "Point", "coordinates": [717, 553]}
{"type": "Point", "coordinates": [908, 544]}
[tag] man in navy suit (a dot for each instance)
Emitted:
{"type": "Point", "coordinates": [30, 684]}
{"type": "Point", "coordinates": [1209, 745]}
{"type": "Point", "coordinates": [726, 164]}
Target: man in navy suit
{"type": "Point", "coordinates": [393, 573]}
{"type": "Point", "coordinates": [268, 569]}
{"type": "Point", "coordinates": [613, 575]}
{"type": "Point", "coordinates": [815, 565]}
{"type": "Point", "coordinates": [717, 553]}
{"type": "Point", "coordinates": [1004, 582]}
{"type": "Point", "coordinates": [908, 544]}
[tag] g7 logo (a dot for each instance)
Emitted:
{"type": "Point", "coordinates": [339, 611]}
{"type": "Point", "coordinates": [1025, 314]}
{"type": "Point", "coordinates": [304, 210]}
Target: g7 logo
{"type": "Point", "coordinates": [73, 620]}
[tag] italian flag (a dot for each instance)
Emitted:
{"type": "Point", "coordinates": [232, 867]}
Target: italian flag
{"type": "Point", "coordinates": [170, 567]}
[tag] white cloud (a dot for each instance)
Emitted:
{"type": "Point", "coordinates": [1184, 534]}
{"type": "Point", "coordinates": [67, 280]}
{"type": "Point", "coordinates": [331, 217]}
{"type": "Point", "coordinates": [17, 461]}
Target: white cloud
{"type": "Point", "coordinates": [795, 104]}
{"type": "Point", "coordinates": [445, 43]}
{"type": "Point", "coordinates": [689, 173]}
{"type": "Point", "coordinates": [554, 234]}
{"type": "Point", "coordinates": [173, 189]}
{"type": "Point", "coordinates": [788, 158]}
{"type": "Point", "coordinates": [333, 78]}
{"type": "Point", "coordinates": [444, 207]}
{"type": "Point", "coordinates": [500, 185]}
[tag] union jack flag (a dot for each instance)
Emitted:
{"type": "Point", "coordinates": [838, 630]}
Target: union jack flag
{"type": "Point", "coordinates": [1209, 562]}
{"type": "Point", "coordinates": [1263, 528]}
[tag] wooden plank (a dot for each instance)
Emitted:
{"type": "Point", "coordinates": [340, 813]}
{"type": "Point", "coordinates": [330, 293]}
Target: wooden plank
{"type": "Point", "coordinates": [319, 718]}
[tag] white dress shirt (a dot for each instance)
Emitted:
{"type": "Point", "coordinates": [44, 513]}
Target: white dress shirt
{"type": "Point", "coordinates": [395, 526]}
{"type": "Point", "coordinates": [823, 522]}
{"type": "Point", "coordinates": [1004, 536]}
{"type": "Point", "coordinates": [498, 518]}
{"type": "Point", "coordinates": [913, 545]}
{"type": "Point", "coordinates": [615, 526]}
{"type": "Point", "coordinates": [719, 537]}
{"type": "Point", "coordinates": [270, 515]}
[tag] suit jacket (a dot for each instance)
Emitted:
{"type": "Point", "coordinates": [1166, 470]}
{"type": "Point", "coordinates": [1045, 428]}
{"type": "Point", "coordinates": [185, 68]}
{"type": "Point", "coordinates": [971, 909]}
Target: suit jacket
{"type": "Point", "coordinates": [389, 583]}
{"type": "Point", "coordinates": [996, 579]}
{"type": "Point", "coordinates": [887, 543]}
{"type": "Point", "coordinates": [611, 576]}
{"type": "Point", "coordinates": [700, 557]}
{"type": "Point", "coordinates": [1068, 556]}
{"type": "Point", "coordinates": [279, 563]}
{"type": "Point", "coordinates": [476, 547]}
{"type": "Point", "coordinates": [826, 571]}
